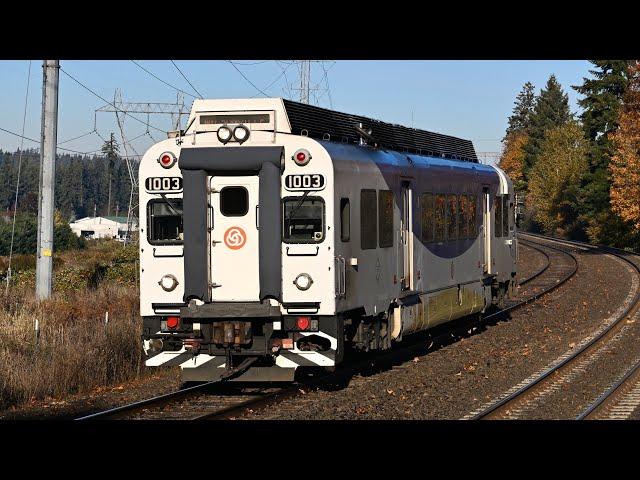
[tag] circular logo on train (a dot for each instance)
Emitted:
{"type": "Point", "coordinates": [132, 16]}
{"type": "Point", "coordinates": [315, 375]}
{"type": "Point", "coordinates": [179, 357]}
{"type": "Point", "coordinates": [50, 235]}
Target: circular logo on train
{"type": "Point", "coordinates": [235, 238]}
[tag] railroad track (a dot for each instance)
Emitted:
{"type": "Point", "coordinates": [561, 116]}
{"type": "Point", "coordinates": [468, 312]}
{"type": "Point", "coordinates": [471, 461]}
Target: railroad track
{"type": "Point", "coordinates": [620, 397]}
{"type": "Point", "coordinates": [219, 400]}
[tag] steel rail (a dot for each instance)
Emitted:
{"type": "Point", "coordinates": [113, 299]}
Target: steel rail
{"type": "Point", "coordinates": [539, 272]}
{"type": "Point", "coordinates": [554, 368]}
{"type": "Point", "coordinates": [609, 393]}
{"type": "Point", "coordinates": [373, 361]}
{"type": "Point", "coordinates": [168, 397]}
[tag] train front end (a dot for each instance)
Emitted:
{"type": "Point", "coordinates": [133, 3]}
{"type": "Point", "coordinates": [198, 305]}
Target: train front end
{"type": "Point", "coordinates": [237, 263]}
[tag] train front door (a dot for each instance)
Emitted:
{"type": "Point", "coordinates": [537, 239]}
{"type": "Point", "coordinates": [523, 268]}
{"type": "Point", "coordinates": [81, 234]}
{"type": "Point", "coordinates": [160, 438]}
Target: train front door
{"type": "Point", "coordinates": [234, 239]}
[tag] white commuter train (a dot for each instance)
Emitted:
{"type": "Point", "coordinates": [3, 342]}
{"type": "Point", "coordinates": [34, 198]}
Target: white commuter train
{"type": "Point", "coordinates": [284, 232]}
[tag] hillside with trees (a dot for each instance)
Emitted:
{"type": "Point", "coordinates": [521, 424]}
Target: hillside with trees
{"type": "Point", "coordinates": [82, 184]}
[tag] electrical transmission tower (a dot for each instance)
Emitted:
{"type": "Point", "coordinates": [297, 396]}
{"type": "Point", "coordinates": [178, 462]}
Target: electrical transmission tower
{"type": "Point", "coordinates": [122, 109]}
{"type": "Point", "coordinates": [176, 110]}
{"type": "Point", "coordinates": [308, 92]}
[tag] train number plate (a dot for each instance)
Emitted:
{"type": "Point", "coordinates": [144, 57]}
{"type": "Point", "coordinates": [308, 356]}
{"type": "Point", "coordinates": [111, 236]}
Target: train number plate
{"type": "Point", "coordinates": [312, 181]}
{"type": "Point", "coordinates": [163, 184]}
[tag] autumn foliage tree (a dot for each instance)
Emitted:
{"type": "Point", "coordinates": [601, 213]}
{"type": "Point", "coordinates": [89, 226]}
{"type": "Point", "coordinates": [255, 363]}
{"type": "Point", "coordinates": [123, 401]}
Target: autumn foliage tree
{"type": "Point", "coordinates": [625, 162]}
{"type": "Point", "coordinates": [555, 179]}
{"type": "Point", "coordinates": [512, 158]}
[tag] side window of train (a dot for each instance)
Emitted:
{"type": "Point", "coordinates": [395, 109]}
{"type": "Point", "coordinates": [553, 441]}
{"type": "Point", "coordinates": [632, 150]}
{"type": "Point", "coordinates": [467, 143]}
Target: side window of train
{"type": "Point", "coordinates": [164, 221]}
{"type": "Point", "coordinates": [463, 217]}
{"type": "Point", "coordinates": [497, 212]}
{"type": "Point", "coordinates": [440, 209]}
{"type": "Point", "coordinates": [505, 215]}
{"type": "Point", "coordinates": [368, 220]}
{"type": "Point", "coordinates": [345, 220]}
{"type": "Point", "coordinates": [452, 217]}
{"type": "Point", "coordinates": [385, 218]}
{"type": "Point", "coordinates": [473, 202]}
{"type": "Point", "coordinates": [426, 211]}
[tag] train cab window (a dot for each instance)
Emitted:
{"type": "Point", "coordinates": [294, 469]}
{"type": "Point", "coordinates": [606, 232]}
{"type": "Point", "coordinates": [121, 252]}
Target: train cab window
{"type": "Point", "coordinates": [505, 215]}
{"type": "Point", "coordinates": [426, 216]}
{"type": "Point", "coordinates": [439, 211]}
{"type": "Point", "coordinates": [473, 202]}
{"type": "Point", "coordinates": [452, 217]}
{"type": "Point", "coordinates": [385, 218]}
{"type": "Point", "coordinates": [303, 219]}
{"type": "Point", "coordinates": [345, 219]}
{"type": "Point", "coordinates": [497, 212]}
{"type": "Point", "coordinates": [164, 221]}
{"type": "Point", "coordinates": [463, 217]}
{"type": "Point", "coordinates": [368, 219]}
{"type": "Point", "coordinates": [234, 201]}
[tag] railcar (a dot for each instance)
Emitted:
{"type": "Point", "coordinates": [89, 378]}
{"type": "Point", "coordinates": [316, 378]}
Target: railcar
{"type": "Point", "coordinates": [285, 233]}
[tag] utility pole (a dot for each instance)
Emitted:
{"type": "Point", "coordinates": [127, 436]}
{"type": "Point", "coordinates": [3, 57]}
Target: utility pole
{"type": "Point", "coordinates": [48, 140]}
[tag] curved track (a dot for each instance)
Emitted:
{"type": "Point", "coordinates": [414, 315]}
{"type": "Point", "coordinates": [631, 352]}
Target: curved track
{"type": "Point", "coordinates": [576, 363]}
{"type": "Point", "coordinates": [218, 400]}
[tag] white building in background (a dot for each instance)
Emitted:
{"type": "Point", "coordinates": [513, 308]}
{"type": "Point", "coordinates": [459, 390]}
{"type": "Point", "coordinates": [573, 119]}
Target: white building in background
{"type": "Point", "coordinates": [101, 227]}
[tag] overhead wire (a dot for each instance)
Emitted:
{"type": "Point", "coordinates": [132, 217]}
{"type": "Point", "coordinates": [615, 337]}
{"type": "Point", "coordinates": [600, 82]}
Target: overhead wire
{"type": "Point", "coordinates": [15, 202]}
{"type": "Point", "coordinates": [110, 103]}
{"type": "Point", "coordinates": [245, 77]}
{"type": "Point", "coordinates": [282, 74]}
{"type": "Point", "coordinates": [36, 141]}
{"type": "Point", "coordinates": [161, 80]}
{"type": "Point", "coordinates": [185, 77]}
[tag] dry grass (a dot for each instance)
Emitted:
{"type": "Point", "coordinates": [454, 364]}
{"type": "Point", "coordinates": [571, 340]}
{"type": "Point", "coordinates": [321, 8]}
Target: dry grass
{"type": "Point", "coordinates": [76, 349]}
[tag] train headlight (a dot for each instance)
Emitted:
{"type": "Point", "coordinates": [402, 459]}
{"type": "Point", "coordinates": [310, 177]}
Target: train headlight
{"type": "Point", "coordinates": [168, 283]}
{"type": "Point", "coordinates": [224, 134]}
{"type": "Point", "coordinates": [303, 281]}
{"type": "Point", "coordinates": [241, 133]}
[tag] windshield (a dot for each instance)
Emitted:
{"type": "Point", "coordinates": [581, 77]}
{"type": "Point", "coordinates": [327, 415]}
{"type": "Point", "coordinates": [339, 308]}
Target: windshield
{"type": "Point", "coordinates": [165, 221]}
{"type": "Point", "coordinates": [303, 219]}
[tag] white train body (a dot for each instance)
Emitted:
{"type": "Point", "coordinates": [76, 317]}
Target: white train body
{"type": "Point", "coordinates": [258, 247]}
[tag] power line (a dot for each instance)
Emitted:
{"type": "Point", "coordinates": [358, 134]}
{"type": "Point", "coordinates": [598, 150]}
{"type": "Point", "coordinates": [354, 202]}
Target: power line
{"type": "Point", "coordinates": [252, 63]}
{"type": "Point", "coordinates": [107, 101]}
{"type": "Point", "coordinates": [282, 74]}
{"type": "Point", "coordinates": [160, 80]}
{"type": "Point", "coordinates": [78, 137]}
{"type": "Point", "coordinates": [36, 141]}
{"type": "Point", "coordinates": [15, 202]}
{"type": "Point", "coordinates": [248, 81]}
{"type": "Point", "coordinates": [185, 77]}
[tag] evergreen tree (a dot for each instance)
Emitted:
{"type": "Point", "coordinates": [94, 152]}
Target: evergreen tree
{"type": "Point", "coordinates": [111, 150]}
{"type": "Point", "coordinates": [551, 111]}
{"type": "Point", "coordinates": [602, 98]}
{"type": "Point", "coordinates": [520, 119]}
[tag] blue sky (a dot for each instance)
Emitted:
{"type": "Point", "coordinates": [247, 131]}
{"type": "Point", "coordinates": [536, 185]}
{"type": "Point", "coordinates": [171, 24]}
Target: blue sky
{"type": "Point", "coordinates": [470, 99]}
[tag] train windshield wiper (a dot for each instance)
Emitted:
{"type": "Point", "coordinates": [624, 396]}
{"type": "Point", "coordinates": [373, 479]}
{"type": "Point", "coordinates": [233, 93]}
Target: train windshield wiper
{"type": "Point", "coordinates": [295, 209]}
{"type": "Point", "coordinates": [171, 205]}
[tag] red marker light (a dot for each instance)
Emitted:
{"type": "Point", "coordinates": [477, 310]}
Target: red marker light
{"type": "Point", "coordinates": [167, 159]}
{"type": "Point", "coordinates": [173, 322]}
{"type": "Point", "coordinates": [301, 157]}
{"type": "Point", "coordinates": [303, 323]}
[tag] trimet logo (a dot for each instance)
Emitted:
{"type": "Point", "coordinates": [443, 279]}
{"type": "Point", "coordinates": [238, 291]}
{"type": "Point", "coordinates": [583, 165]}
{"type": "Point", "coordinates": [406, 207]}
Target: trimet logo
{"type": "Point", "coordinates": [235, 238]}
